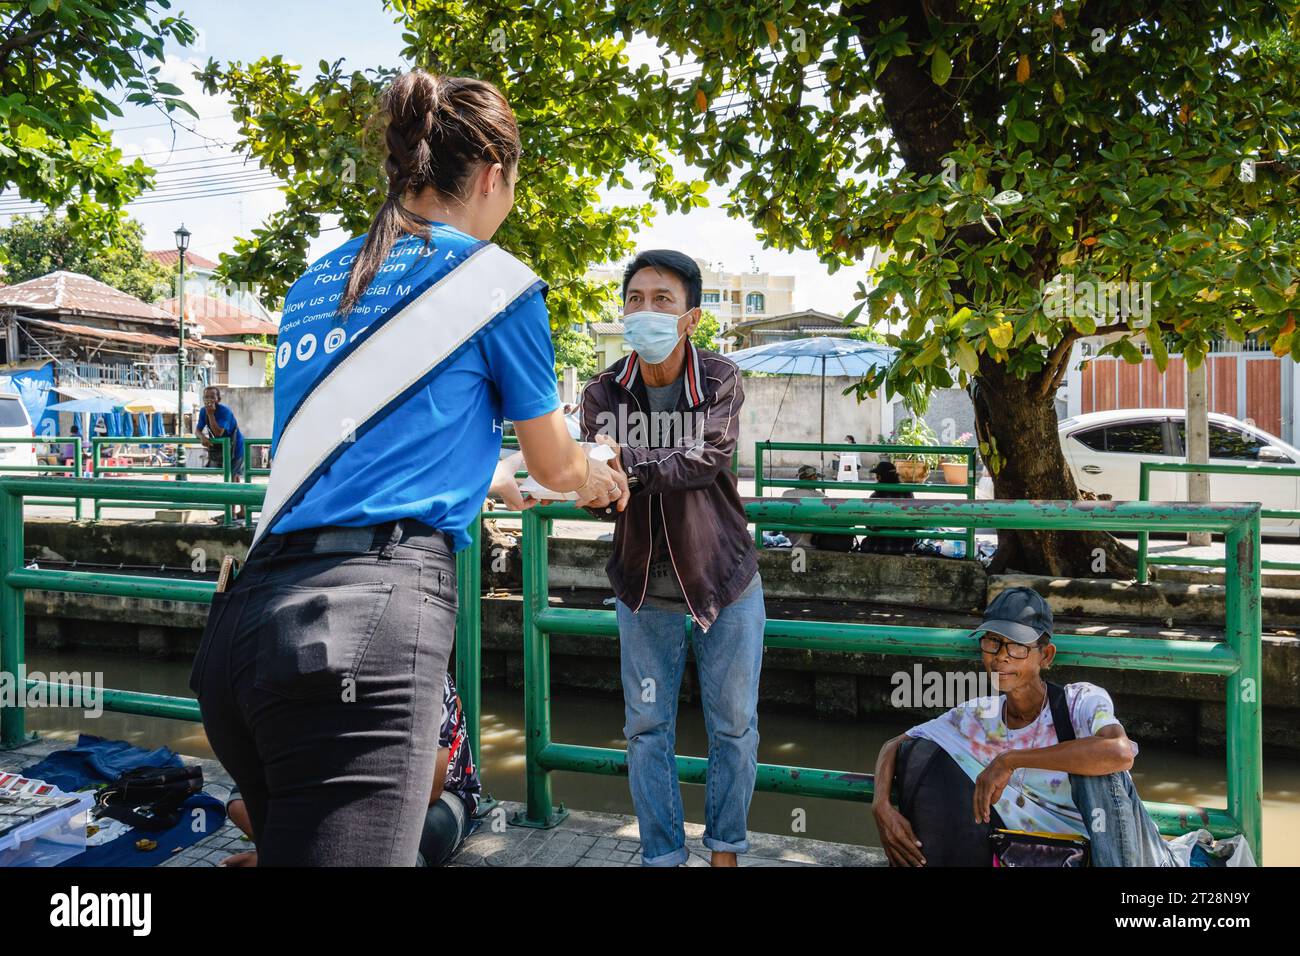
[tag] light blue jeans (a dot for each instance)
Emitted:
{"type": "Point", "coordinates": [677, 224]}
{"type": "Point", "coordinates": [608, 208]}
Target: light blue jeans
{"type": "Point", "coordinates": [1120, 830]}
{"type": "Point", "coordinates": [728, 658]}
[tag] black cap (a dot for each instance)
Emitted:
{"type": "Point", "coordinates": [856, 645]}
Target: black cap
{"type": "Point", "coordinates": [883, 467]}
{"type": "Point", "coordinates": [1018, 614]}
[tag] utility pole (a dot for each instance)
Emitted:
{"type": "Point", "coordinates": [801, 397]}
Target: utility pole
{"type": "Point", "coordinates": [182, 243]}
{"type": "Point", "coordinates": [1198, 442]}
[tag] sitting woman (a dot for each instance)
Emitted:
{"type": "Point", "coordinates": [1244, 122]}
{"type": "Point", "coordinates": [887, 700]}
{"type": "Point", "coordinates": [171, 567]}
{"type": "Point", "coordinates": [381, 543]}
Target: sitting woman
{"type": "Point", "coordinates": [1034, 757]}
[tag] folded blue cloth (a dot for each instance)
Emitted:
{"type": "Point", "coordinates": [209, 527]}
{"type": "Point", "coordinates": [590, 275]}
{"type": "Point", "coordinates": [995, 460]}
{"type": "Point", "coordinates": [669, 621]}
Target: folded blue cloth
{"type": "Point", "coordinates": [95, 760]}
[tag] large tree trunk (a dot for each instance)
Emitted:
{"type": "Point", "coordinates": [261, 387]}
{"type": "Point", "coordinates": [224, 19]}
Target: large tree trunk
{"type": "Point", "coordinates": [1011, 413]}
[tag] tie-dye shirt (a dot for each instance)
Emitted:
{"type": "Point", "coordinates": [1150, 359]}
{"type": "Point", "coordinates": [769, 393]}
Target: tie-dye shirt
{"type": "Point", "coordinates": [976, 732]}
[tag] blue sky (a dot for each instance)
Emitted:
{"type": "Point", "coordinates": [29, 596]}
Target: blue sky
{"type": "Point", "coordinates": [205, 184]}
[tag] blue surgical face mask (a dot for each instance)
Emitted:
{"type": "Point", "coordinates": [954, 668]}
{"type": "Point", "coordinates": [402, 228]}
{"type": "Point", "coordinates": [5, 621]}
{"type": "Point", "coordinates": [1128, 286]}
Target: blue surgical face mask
{"type": "Point", "coordinates": [652, 334]}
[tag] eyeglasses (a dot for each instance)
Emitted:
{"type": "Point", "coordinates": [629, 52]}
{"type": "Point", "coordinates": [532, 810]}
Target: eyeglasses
{"type": "Point", "coordinates": [993, 645]}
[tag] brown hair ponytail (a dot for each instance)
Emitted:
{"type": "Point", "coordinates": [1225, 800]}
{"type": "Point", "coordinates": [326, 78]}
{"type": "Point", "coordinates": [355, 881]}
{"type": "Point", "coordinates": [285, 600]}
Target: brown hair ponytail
{"type": "Point", "coordinates": [439, 130]}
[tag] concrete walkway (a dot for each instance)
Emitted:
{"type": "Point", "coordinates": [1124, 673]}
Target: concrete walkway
{"type": "Point", "coordinates": [582, 839]}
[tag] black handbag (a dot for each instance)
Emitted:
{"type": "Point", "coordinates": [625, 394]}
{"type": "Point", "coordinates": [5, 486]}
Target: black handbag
{"type": "Point", "coordinates": [1021, 848]}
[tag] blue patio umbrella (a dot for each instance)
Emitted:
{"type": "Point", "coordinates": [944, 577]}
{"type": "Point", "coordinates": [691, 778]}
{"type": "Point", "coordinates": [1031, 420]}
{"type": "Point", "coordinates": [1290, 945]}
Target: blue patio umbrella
{"type": "Point", "coordinates": [96, 406]}
{"type": "Point", "coordinates": [822, 355]}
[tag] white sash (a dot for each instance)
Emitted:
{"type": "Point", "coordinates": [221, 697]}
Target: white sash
{"type": "Point", "coordinates": [402, 352]}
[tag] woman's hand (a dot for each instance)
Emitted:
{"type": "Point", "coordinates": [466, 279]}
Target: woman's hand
{"type": "Point", "coordinates": [506, 487]}
{"type": "Point", "coordinates": [989, 785]}
{"type": "Point", "coordinates": [604, 486]}
{"type": "Point", "coordinates": [896, 836]}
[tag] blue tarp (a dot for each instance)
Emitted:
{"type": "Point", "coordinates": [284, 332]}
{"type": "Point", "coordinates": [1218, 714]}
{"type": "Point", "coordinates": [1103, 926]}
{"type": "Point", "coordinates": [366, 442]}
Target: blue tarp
{"type": "Point", "coordinates": [34, 387]}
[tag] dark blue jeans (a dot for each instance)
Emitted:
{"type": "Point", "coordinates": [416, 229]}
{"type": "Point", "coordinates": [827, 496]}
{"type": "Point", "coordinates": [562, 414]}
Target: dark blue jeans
{"type": "Point", "coordinates": [319, 678]}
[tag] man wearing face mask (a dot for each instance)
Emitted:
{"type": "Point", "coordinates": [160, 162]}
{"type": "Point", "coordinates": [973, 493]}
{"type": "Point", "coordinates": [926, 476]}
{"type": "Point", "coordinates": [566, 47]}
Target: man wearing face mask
{"type": "Point", "coordinates": [671, 412]}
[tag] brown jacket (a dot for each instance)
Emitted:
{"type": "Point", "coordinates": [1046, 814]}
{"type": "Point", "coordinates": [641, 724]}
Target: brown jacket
{"type": "Point", "coordinates": [685, 476]}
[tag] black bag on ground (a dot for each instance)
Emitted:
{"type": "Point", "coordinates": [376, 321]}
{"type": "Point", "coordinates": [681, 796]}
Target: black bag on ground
{"type": "Point", "coordinates": [149, 798]}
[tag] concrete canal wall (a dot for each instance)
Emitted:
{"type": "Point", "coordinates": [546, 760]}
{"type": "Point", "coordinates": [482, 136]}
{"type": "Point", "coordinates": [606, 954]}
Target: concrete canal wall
{"type": "Point", "coordinates": [1185, 710]}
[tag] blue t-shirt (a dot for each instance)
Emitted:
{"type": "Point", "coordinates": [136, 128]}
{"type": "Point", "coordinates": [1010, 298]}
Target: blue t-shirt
{"type": "Point", "coordinates": [432, 456]}
{"type": "Point", "coordinates": [226, 422]}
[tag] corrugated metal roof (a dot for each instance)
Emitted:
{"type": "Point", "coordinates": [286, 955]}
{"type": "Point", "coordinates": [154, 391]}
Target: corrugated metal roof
{"type": "Point", "coordinates": [607, 328]}
{"type": "Point", "coordinates": [219, 317]}
{"type": "Point", "coordinates": [169, 257]}
{"type": "Point", "coordinates": [117, 335]}
{"type": "Point", "coordinates": [72, 293]}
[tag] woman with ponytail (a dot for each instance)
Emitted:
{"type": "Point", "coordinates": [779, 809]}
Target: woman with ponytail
{"type": "Point", "coordinates": [400, 355]}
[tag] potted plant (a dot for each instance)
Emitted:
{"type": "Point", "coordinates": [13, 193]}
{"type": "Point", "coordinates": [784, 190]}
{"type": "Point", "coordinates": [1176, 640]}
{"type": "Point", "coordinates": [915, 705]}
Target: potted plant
{"type": "Point", "coordinates": [956, 468]}
{"type": "Point", "coordinates": [914, 467]}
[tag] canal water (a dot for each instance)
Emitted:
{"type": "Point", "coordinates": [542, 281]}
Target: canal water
{"type": "Point", "coordinates": [1162, 774]}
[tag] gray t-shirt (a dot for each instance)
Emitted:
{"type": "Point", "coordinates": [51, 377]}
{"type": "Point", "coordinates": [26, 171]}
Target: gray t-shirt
{"type": "Point", "coordinates": [663, 590]}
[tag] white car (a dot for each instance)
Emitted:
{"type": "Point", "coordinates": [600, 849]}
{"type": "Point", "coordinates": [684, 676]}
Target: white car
{"type": "Point", "coordinates": [15, 423]}
{"type": "Point", "coordinates": [1104, 450]}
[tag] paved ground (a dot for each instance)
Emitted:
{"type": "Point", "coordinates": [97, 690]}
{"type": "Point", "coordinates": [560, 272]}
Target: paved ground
{"type": "Point", "coordinates": [582, 839]}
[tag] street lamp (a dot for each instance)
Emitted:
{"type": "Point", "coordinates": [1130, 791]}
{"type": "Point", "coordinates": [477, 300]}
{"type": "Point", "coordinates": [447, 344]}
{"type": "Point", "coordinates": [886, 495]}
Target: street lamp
{"type": "Point", "coordinates": [182, 243]}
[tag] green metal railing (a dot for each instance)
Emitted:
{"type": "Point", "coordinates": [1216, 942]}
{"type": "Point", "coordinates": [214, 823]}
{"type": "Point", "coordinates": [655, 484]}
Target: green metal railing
{"type": "Point", "coordinates": [967, 490]}
{"type": "Point", "coordinates": [1144, 494]}
{"type": "Point", "coordinates": [1237, 658]}
{"type": "Point", "coordinates": [99, 469]}
{"type": "Point", "coordinates": [250, 472]}
{"type": "Point", "coordinates": [16, 579]}
{"type": "Point", "coordinates": [75, 467]}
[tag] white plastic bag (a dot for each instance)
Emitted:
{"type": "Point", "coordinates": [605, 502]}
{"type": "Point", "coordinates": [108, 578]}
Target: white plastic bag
{"type": "Point", "coordinates": [1235, 851]}
{"type": "Point", "coordinates": [533, 489]}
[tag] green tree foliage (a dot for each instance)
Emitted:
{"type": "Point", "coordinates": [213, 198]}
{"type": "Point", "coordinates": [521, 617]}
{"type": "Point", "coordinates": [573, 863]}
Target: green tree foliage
{"type": "Point", "coordinates": [32, 246]}
{"type": "Point", "coordinates": [1009, 158]}
{"type": "Point", "coordinates": [706, 332]}
{"type": "Point", "coordinates": [574, 348]}
{"type": "Point", "coordinates": [582, 116]}
{"type": "Point", "coordinates": [65, 66]}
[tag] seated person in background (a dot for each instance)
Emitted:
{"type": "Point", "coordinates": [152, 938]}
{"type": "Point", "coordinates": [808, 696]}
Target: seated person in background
{"type": "Point", "coordinates": [454, 797]}
{"type": "Point", "coordinates": [452, 800]}
{"type": "Point", "coordinates": [1035, 757]}
{"type": "Point", "coordinates": [886, 473]}
{"type": "Point", "coordinates": [804, 539]}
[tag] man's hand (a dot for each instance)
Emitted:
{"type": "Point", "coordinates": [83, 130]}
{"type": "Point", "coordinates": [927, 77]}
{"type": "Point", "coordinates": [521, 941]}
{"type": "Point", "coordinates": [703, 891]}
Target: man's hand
{"type": "Point", "coordinates": [247, 858]}
{"type": "Point", "coordinates": [896, 836]}
{"type": "Point", "coordinates": [616, 464]}
{"type": "Point", "coordinates": [989, 785]}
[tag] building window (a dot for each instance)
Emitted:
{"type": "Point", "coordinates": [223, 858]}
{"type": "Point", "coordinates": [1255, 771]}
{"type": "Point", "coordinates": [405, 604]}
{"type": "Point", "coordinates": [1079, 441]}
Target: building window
{"type": "Point", "coordinates": [754, 303]}
{"type": "Point", "coordinates": [711, 298]}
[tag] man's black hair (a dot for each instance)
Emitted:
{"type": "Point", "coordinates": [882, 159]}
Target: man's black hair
{"type": "Point", "coordinates": [678, 263]}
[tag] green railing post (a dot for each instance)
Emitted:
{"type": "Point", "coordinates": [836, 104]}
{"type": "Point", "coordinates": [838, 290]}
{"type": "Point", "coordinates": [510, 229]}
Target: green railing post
{"type": "Point", "coordinates": [13, 727]}
{"type": "Point", "coordinates": [758, 488]}
{"type": "Point", "coordinates": [94, 468]}
{"type": "Point", "coordinates": [469, 632]}
{"type": "Point", "coordinates": [226, 474]}
{"type": "Point", "coordinates": [541, 811]}
{"type": "Point", "coordinates": [1244, 727]}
